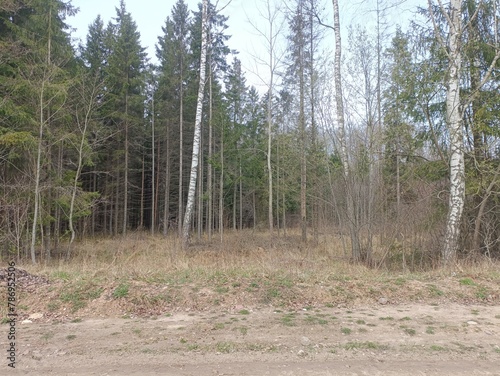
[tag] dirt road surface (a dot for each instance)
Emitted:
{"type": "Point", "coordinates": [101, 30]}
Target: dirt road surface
{"type": "Point", "coordinates": [413, 339]}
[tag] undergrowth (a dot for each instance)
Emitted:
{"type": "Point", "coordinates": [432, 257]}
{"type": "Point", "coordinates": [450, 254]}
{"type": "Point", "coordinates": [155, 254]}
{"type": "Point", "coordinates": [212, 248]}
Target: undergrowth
{"type": "Point", "coordinates": [248, 268]}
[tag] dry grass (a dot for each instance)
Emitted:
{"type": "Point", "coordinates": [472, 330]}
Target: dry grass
{"type": "Point", "coordinates": [245, 253]}
{"type": "Point", "coordinates": [140, 255]}
{"type": "Point", "coordinates": [245, 269]}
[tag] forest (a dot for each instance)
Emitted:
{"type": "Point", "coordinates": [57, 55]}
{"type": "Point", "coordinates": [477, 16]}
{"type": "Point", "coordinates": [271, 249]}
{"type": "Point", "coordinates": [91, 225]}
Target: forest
{"type": "Point", "coordinates": [388, 138]}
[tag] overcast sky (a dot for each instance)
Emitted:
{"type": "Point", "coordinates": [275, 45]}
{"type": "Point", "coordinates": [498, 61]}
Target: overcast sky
{"type": "Point", "coordinates": [150, 16]}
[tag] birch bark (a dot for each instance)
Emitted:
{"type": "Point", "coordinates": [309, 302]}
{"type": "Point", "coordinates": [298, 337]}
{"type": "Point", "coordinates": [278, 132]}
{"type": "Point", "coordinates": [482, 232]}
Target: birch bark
{"type": "Point", "coordinates": [454, 122]}
{"type": "Point", "coordinates": [197, 130]}
{"type": "Point", "coordinates": [351, 214]}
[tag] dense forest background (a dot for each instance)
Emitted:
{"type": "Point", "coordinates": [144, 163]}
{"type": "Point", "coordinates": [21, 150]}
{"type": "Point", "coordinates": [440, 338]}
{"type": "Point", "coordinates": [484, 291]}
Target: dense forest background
{"type": "Point", "coordinates": [97, 141]}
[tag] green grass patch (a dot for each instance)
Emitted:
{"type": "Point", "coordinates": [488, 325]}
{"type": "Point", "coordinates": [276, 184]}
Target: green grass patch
{"type": "Point", "coordinates": [410, 331]}
{"type": "Point", "coordinates": [482, 293]}
{"type": "Point", "coordinates": [437, 348]}
{"type": "Point", "coordinates": [362, 345]}
{"type": "Point", "coordinates": [386, 318]}
{"type": "Point", "coordinates": [254, 285]}
{"type": "Point", "coordinates": [53, 306]}
{"type": "Point", "coordinates": [222, 290]}
{"type": "Point", "coordinates": [400, 281]}
{"type": "Point", "coordinates": [288, 319]}
{"type": "Point", "coordinates": [467, 282]}
{"type": "Point", "coordinates": [61, 275]}
{"type": "Point", "coordinates": [79, 295]}
{"type": "Point", "coordinates": [285, 282]}
{"type": "Point", "coordinates": [435, 291]}
{"type": "Point", "coordinates": [272, 293]}
{"type": "Point", "coordinates": [309, 319]}
{"type": "Point", "coordinates": [121, 290]}
{"type": "Point", "coordinates": [242, 329]}
{"type": "Point", "coordinates": [255, 347]}
{"type": "Point", "coordinates": [224, 347]}
{"type": "Point", "coordinates": [47, 336]}
{"type": "Point", "coordinates": [346, 331]}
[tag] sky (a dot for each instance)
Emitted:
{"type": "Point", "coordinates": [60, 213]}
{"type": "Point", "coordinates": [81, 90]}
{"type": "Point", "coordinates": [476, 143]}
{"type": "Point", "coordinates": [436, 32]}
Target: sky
{"type": "Point", "coordinates": [150, 16]}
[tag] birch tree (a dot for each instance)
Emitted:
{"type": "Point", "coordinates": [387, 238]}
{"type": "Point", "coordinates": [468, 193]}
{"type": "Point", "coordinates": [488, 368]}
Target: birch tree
{"type": "Point", "coordinates": [453, 18]}
{"type": "Point", "coordinates": [341, 135]}
{"type": "Point", "coordinates": [197, 129]}
{"type": "Point", "coordinates": [270, 34]}
{"type": "Point", "coordinates": [88, 88]}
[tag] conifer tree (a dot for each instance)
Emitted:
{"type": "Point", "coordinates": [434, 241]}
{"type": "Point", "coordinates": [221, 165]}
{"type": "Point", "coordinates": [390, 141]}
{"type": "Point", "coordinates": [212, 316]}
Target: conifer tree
{"type": "Point", "coordinates": [37, 73]}
{"type": "Point", "coordinates": [125, 75]}
{"type": "Point", "coordinates": [174, 56]}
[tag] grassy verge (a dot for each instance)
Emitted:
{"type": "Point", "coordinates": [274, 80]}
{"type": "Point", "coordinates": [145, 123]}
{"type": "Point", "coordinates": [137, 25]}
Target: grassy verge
{"type": "Point", "coordinates": [148, 275]}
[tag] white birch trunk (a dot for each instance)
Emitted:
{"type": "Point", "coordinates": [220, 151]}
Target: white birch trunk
{"type": "Point", "coordinates": [270, 122]}
{"type": "Point", "coordinates": [197, 129]}
{"type": "Point", "coordinates": [351, 215]}
{"type": "Point", "coordinates": [83, 129]}
{"type": "Point", "coordinates": [37, 175]}
{"type": "Point", "coordinates": [454, 120]}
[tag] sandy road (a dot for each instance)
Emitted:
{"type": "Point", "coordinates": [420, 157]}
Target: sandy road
{"type": "Point", "coordinates": [381, 340]}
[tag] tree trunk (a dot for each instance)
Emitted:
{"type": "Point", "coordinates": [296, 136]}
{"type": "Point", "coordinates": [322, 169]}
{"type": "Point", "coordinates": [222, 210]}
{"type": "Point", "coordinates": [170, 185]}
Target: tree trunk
{"type": "Point", "coordinates": [141, 210]}
{"type": "Point", "coordinates": [83, 129]}
{"type": "Point", "coordinates": [153, 172]}
{"type": "Point", "coordinates": [221, 186]}
{"type": "Point", "coordinates": [166, 197]}
{"type": "Point", "coordinates": [303, 141]}
{"type": "Point", "coordinates": [37, 175]}
{"type": "Point", "coordinates": [125, 172]}
{"type": "Point", "coordinates": [199, 209]}
{"type": "Point", "coordinates": [209, 167]}
{"type": "Point", "coordinates": [197, 130]}
{"type": "Point", "coordinates": [351, 213]}
{"type": "Point", "coordinates": [241, 199]}
{"type": "Point", "coordinates": [117, 204]}
{"type": "Point", "coordinates": [454, 120]}
{"type": "Point", "coordinates": [270, 122]}
{"type": "Point", "coordinates": [181, 156]}
{"type": "Point", "coordinates": [234, 205]}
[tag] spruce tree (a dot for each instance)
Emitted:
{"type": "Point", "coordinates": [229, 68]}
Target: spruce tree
{"type": "Point", "coordinates": [36, 70]}
{"type": "Point", "coordinates": [126, 79]}
{"type": "Point", "coordinates": [173, 54]}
